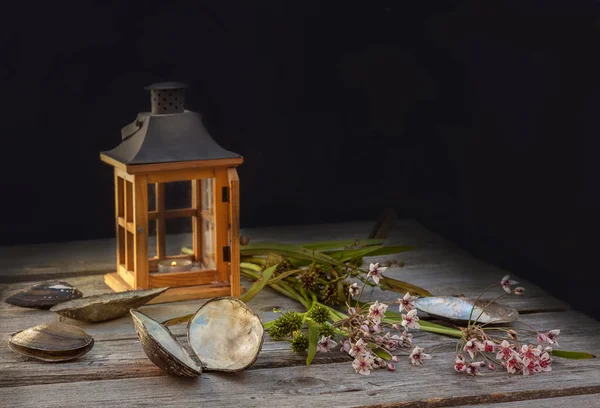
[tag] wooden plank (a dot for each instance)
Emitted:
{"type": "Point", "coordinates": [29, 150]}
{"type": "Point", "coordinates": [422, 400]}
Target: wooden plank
{"type": "Point", "coordinates": [197, 164]}
{"type": "Point", "coordinates": [584, 401]}
{"type": "Point", "coordinates": [107, 356]}
{"type": "Point", "coordinates": [168, 214]}
{"type": "Point", "coordinates": [169, 176]}
{"type": "Point", "coordinates": [127, 276]}
{"type": "Point", "coordinates": [119, 214]}
{"type": "Point", "coordinates": [160, 217]}
{"type": "Point", "coordinates": [174, 279]}
{"type": "Point", "coordinates": [140, 220]}
{"type": "Point", "coordinates": [234, 227]}
{"type": "Point", "coordinates": [434, 384]}
{"type": "Point", "coordinates": [124, 175]}
{"type": "Point", "coordinates": [221, 223]}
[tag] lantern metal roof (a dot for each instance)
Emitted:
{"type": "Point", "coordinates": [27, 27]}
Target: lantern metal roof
{"type": "Point", "coordinates": [168, 133]}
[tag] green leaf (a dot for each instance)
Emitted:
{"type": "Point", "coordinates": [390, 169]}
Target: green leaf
{"type": "Point", "coordinates": [259, 284]}
{"type": "Point", "coordinates": [251, 266]}
{"type": "Point", "coordinates": [395, 285]}
{"type": "Point", "coordinates": [313, 339]}
{"type": "Point", "coordinates": [187, 251]}
{"type": "Point", "coordinates": [381, 353]}
{"type": "Point", "coordinates": [573, 355]}
{"type": "Point", "coordinates": [390, 250]}
{"type": "Point", "coordinates": [343, 256]}
{"type": "Point", "coordinates": [327, 245]}
{"type": "Point", "coordinates": [287, 250]}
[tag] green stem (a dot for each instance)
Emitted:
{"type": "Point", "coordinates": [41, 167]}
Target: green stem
{"type": "Point", "coordinates": [477, 300]}
{"type": "Point", "coordinates": [486, 306]}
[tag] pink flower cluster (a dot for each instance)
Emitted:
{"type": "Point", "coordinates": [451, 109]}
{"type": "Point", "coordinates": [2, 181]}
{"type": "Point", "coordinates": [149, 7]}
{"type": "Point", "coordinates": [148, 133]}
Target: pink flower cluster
{"type": "Point", "coordinates": [366, 335]}
{"type": "Point", "coordinates": [526, 359]}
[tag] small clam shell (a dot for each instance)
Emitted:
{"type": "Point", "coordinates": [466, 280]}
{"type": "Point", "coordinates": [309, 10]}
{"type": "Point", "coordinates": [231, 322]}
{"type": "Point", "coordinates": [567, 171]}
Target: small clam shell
{"type": "Point", "coordinates": [225, 335]}
{"type": "Point", "coordinates": [44, 295]}
{"type": "Point", "coordinates": [51, 342]}
{"type": "Point", "coordinates": [162, 348]}
{"type": "Point", "coordinates": [458, 309]}
{"type": "Point", "coordinates": [105, 307]}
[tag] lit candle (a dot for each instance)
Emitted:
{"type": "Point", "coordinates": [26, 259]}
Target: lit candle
{"type": "Point", "coordinates": [174, 266]}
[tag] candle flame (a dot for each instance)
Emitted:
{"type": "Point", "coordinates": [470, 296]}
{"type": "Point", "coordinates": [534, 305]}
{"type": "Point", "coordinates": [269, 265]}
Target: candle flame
{"type": "Point", "coordinates": [173, 263]}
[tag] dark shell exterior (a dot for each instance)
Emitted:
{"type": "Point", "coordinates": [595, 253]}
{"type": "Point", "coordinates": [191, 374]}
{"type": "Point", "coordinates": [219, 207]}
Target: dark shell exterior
{"type": "Point", "coordinates": [458, 309]}
{"type": "Point", "coordinates": [45, 295]}
{"type": "Point", "coordinates": [162, 348]}
{"type": "Point", "coordinates": [51, 342]}
{"type": "Point", "coordinates": [110, 306]}
{"type": "Point", "coordinates": [226, 335]}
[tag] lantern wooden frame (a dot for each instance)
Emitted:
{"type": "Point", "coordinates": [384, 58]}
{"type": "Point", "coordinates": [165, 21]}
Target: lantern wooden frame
{"type": "Point", "coordinates": [135, 270]}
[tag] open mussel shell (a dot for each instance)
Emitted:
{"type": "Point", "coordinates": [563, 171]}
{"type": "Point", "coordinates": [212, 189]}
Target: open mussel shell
{"type": "Point", "coordinates": [44, 295]}
{"type": "Point", "coordinates": [225, 335]}
{"type": "Point", "coordinates": [51, 342]}
{"type": "Point", "coordinates": [459, 309]}
{"type": "Point", "coordinates": [162, 348]}
{"type": "Point", "coordinates": [105, 307]}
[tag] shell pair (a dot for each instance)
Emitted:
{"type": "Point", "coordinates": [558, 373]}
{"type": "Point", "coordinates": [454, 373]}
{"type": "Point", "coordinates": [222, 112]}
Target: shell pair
{"type": "Point", "coordinates": [224, 334]}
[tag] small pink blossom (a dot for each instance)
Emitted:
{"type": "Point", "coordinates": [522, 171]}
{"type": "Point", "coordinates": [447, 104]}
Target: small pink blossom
{"type": "Point", "coordinates": [376, 272]}
{"type": "Point", "coordinates": [506, 283]}
{"type": "Point", "coordinates": [395, 359]}
{"type": "Point", "coordinates": [472, 347]}
{"type": "Point", "coordinates": [325, 344]}
{"type": "Point", "coordinates": [376, 328]}
{"type": "Point", "coordinates": [363, 364]}
{"type": "Point", "coordinates": [459, 363]}
{"type": "Point", "coordinates": [491, 366]}
{"type": "Point", "coordinates": [396, 326]}
{"type": "Point", "coordinates": [519, 291]}
{"type": "Point", "coordinates": [357, 349]}
{"type": "Point", "coordinates": [391, 367]}
{"type": "Point", "coordinates": [353, 289]}
{"type": "Point", "coordinates": [407, 303]}
{"type": "Point", "coordinates": [411, 320]}
{"type": "Point", "coordinates": [514, 364]}
{"type": "Point", "coordinates": [530, 366]}
{"type": "Point", "coordinates": [473, 367]}
{"type": "Point", "coordinates": [529, 352]}
{"type": "Point", "coordinates": [505, 350]}
{"type": "Point", "coordinates": [377, 311]}
{"type": "Point", "coordinates": [488, 346]}
{"type": "Point", "coordinates": [544, 362]}
{"type": "Point", "coordinates": [552, 335]}
{"type": "Point", "coordinates": [417, 356]}
{"type": "Point", "coordinates": [346, 346]}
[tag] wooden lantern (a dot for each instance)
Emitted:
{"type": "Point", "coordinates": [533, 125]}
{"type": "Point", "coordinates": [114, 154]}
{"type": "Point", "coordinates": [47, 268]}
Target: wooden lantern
{"type": "Point", "coordinates": [170, 144]}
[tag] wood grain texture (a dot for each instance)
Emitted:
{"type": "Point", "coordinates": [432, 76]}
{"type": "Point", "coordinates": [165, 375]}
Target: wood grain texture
{"type": "Point", "coordinates": [579, 401]}
{"type": "Point", "coordinates": [234, 228]}
{"type": "Point", "coordinates": [116, 372]}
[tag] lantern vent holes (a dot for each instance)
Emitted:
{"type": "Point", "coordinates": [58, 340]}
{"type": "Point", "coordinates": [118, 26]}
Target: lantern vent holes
{"type": "Point", "coordinates": [167, 101]}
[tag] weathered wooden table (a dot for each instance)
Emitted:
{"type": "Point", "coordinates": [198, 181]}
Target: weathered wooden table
{"type": "Point", "coordinates": [117, 373]}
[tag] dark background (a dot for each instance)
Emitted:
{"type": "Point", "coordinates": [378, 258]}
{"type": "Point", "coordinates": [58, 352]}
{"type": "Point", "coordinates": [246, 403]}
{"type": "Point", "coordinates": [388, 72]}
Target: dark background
{"type": "Point", "coordinates": [480, 119]}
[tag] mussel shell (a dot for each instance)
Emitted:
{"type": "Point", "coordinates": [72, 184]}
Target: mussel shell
{"type": "Point", "coordinates": [459, 309]}
{"type": "Point", "coordinates": [51, 342]}
{"type": "Point", "coordinates": [110, 306]}
{"type": "Point", "coordinates": [45, 295]}
{"type": "Point", "coordinates": [225, 335]}
{"type": "Point", "coordinates": [162, 348]}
